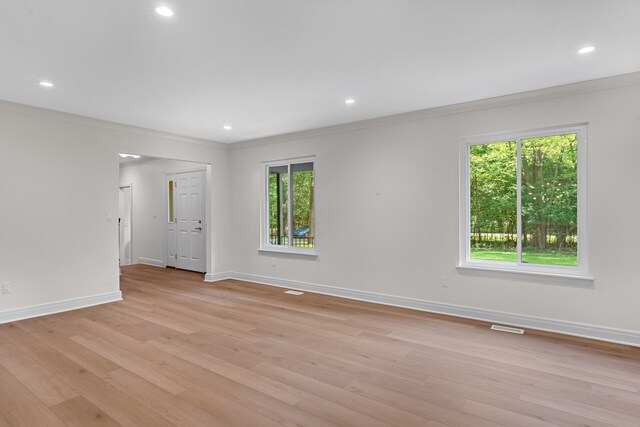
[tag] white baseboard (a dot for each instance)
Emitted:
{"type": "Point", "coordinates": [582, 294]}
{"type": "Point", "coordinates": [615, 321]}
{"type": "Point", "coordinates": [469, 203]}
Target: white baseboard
{"type": "Point", "coordinates": [153, 262]}
{"type": "Point", "coordinates": [601, 333]}
{"type": "Point", "coordinates": [217, 277]}
{"type": "Point", "coordinates": [13, 315]}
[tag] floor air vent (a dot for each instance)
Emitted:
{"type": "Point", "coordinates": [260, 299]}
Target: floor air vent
{"type": "Point", "coordinates": [507, 329]}
{"type": "Point", "coordinates": [293, 292]}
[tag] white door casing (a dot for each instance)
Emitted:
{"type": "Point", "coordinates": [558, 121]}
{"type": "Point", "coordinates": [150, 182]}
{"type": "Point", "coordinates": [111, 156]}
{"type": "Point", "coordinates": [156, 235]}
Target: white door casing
{"type": "Point", "coordinates": [125, 238]}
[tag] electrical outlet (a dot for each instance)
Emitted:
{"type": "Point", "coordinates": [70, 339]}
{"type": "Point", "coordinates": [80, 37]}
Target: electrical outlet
{"type": "Point", "coordinates": [444, 282]}
{"type": "Point", "coordinates": [6, 288]}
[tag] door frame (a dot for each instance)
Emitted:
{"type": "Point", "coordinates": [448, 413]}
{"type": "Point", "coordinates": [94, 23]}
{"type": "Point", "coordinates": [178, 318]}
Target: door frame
{"type": "Point", "coordinates": [130, 260]}
{"type": "Point", "coordinates": [205, 200]}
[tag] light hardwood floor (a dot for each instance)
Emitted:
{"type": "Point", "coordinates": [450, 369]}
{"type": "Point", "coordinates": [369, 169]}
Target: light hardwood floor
{"type": "Point", "coordinates": [178, 351]}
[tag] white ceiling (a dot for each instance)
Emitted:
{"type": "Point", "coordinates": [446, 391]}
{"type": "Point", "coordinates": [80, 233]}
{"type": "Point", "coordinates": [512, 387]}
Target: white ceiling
{"type": "Point", "coordinates": [269, 67]}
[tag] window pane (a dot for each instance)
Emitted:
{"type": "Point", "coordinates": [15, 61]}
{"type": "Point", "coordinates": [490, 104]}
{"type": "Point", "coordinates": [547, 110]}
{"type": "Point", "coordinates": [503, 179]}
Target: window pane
{"type": "Point", "coordinates": [278, 205]}
{"type": "Point", "coordinates": [170, 202]}
{"type": "Point", "coordinates": [303, 215]}
{"type": "Point", "coordinates": [550, 200]}
{"type": "Point", "coordinates": [493, 200]}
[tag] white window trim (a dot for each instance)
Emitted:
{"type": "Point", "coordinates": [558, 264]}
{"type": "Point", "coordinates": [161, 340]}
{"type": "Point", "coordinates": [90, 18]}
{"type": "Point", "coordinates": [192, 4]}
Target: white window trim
{"type": "Point", "coordinates": [581, 272]}
{"type": "Point", "coordinates": [265, 244]}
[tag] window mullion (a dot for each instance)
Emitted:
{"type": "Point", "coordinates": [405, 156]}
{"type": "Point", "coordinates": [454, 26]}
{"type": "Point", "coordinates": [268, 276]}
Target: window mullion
{"type": "Point", "coordinates": [279, 204]}
{"type": "Point", "coordinates": [290, 210]}
{"type": "Point", "coordinates": [468, 203]}
{"type": "Point", "coordinates": [519, 200]}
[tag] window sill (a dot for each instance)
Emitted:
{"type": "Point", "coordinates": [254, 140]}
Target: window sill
{"type": "Point", "coordinates": [312, 253]}
{"type": "Point", "coordinates": [574, 279]}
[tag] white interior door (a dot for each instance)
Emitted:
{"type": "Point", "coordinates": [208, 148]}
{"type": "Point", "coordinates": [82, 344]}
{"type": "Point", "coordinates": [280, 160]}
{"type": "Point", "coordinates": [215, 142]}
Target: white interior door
{"type": "Point", "coordinates": [125, 226]}
{"type": "Point", "coordinates": [190, 237]}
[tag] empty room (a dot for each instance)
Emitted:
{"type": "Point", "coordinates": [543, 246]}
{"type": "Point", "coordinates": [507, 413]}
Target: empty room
{"type": "Point", "coordinates": [319, 213]}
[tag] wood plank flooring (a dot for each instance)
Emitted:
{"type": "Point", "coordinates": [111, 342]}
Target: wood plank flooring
{"type": "Point", "coordinates": [181, 352]}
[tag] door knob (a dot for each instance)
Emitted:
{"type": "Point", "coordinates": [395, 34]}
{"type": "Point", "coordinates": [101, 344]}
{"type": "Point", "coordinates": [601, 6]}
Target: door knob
{"type": "Point", "coordinates": [199, 228]}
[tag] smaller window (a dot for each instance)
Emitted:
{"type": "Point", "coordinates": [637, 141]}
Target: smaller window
{"type": "Point", "coordinates": [288, 218]}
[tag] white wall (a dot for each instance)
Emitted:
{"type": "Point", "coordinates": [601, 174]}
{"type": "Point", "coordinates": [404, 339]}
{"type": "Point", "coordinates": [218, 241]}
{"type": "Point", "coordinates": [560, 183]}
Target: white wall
{"type": "Point", "coordinates": [402, 242]}
{"type": "Point", "coordinates": [58, 182]}
{"type": "Point", "coordinates": [150, 206]}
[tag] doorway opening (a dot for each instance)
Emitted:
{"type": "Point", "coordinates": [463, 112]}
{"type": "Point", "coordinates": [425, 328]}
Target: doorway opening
{"type": "Point", "coordinates": [169, 224]}
{"type": "Point", "coordinates": [124, 225]}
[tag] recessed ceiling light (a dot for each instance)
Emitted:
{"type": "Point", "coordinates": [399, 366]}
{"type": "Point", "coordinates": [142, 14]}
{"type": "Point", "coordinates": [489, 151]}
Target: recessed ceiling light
{"type": "Point", "coordinates": [125, 155]}
{"type": "Point", "coordinates": [349, 101]}
{"type": "Point", "coordinates": [164, 11]}
{"type": "Point", "coordinates": [226, 127]}
{"type": "Point", "coordinates": [586, 49]}
{"type": "Point", "coordinates": [45, 83]}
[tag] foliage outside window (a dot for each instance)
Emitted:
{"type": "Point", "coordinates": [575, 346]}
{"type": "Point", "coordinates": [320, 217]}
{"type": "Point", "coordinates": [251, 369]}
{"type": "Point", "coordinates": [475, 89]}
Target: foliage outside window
{"type": "Point", "coordinates": [525, 201]}
{"type": "Point", "coordinates": [290, 221]}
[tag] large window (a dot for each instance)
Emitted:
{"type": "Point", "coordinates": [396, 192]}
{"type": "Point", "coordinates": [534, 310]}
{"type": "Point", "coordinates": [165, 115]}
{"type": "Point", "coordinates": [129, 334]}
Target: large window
{"type": "Point", "coordinates": [524, 202]}
{"type": "Point", "coordinates": [289, 223]}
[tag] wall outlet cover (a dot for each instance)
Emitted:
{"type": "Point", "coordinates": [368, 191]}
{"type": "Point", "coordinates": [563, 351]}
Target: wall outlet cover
{"type": "Point", "coordinates": [6, 287]}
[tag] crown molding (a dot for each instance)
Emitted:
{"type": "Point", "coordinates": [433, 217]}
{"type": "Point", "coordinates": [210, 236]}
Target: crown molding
{"type": "Point", "coordinates": [84, 120]}
{"type": "Point", "coordinates": [586, 86]}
